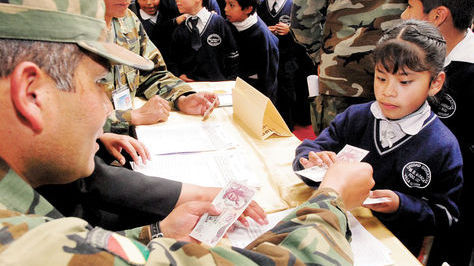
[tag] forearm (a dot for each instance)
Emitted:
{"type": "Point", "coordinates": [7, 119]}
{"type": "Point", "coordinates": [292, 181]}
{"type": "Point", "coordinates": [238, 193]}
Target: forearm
{"type": "Point", "coordinates": [296, 236]}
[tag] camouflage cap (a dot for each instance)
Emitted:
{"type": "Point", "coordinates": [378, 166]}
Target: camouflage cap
{"type": "Point", "coordinates": [68, 21]}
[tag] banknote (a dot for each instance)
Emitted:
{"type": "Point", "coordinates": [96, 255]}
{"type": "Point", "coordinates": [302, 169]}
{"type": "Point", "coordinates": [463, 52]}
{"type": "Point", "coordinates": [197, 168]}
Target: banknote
{"type": "Point", "coordinates": [231, 202]}
{"type": "Point", "coordinates": [348, 153]}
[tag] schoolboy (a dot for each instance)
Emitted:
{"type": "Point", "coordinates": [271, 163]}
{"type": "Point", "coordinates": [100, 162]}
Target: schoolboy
{"type": "Point", "coordinates": [258, 47]}
{"type": "Point", "coordinates": [204, 48]}
{"type": "Point", "coordinates": [416, 159]}
{"type": "Point", "coordinates": [294, 63]}
{"type": "Point", "coordinates": [453, 106]}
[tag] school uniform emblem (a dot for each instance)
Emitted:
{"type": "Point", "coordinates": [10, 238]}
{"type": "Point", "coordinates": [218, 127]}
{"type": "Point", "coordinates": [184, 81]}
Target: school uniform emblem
{"type": "Point", "coordinates": [214, 39]}
{"type": "Point", "coordinates": [446, 106]}
{"type": "Point", "coordinates": [416, 175]}
{"type": "Point", "coordinates": [285, 19]}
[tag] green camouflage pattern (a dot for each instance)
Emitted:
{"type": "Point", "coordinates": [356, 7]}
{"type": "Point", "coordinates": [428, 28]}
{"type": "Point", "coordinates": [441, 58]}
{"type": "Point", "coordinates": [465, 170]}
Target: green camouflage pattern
{"type": "Point", "coordinates": [131, 35]}
{"type": "Point", "coordinates": [315, 233]}
{"type": "Point", "coordinates": [340, 35]}
{"type": "Point", "coordinates": [65, 21]}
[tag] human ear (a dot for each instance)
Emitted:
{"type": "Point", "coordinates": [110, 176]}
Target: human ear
{"type": "Point", "coordinates": [439, 15]}
{"type": "Point", "coordinates": [248, 10]}
{"type": "Point", "coordinates": [24, 83]}
{"type": "Point", "coordinates": [437, 84]}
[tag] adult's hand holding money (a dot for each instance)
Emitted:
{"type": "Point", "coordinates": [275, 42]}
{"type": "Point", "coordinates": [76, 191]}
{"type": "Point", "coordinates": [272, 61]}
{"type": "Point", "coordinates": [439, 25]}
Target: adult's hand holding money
{"type": "Point", "coordinates": [181, 221]}
{"type": "Point", "coordinates": [352, 180]}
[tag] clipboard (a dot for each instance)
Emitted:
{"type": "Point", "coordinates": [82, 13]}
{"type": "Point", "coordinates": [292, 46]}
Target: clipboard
{"type": "Point", "coordinates": [256, 112]}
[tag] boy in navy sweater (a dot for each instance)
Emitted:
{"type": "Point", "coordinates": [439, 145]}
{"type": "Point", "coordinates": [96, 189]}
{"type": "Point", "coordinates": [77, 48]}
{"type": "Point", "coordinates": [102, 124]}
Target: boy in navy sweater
{"type": "Point", "coordinates": [453, 106]}
{"type": "Point", "coordinates": [416, 159]}
{"type": "Point", "coordinates": [258, 47]}
{"type": "Point", "coordinates": [204, 48]}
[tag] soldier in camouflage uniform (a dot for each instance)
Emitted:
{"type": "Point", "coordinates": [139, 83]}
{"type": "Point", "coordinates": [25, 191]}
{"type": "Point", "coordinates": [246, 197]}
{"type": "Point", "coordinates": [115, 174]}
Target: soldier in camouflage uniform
{"type": "Point", "coordinates": [339, 36]}
{"type": "Point", "coordinates": [127, 31]}
{"type": "Point", "coordinates": [55, 62]}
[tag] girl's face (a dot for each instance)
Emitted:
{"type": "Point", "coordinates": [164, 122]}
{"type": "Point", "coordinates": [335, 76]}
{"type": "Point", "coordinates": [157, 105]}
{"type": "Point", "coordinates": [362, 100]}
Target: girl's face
{"type": "Point", "coordinates": [234, 12]}
{"type": "Point", "coordinates": [402, 93]}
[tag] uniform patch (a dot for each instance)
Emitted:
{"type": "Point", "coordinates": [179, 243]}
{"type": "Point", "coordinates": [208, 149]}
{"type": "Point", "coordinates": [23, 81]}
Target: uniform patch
{"type": "Point", "coordinates": [214, 40]}
{"type": "Point", "coordinates": [416, 175]}
{"type": "Point", "coordinates": [118, 245]}
{"type": "Point", "coordinates": [446, 107]}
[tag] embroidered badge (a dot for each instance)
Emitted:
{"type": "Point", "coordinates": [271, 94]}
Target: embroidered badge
{"type": "Point", "coordinates": [416, 175]}
{"type": "Point", "coordinates": [214, 40]}
{"type": "Point", "coordinates": [285, 19]}
{"type": "Point", "coordinates": [446, 107]}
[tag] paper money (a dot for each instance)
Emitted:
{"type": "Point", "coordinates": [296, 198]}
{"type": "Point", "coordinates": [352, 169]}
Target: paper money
{"type": "Point", "coordinates": [231, 201]}
{"type": "Point", "coordinates": [348, 153]}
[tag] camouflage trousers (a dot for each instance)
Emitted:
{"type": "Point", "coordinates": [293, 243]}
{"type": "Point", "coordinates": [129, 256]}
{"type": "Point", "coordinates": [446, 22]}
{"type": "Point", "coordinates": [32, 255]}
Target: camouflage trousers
{"type": "Point", "coordinates": [324, 109]}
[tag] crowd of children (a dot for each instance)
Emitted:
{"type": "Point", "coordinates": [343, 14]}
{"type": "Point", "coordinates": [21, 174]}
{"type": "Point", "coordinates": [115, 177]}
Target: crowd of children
{"type": "Point", "coordinates": [246, 39]}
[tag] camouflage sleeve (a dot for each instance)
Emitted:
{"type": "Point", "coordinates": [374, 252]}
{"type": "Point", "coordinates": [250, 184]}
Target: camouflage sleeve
{"type": "Point", "coordinates": [118, 122]}
{"type": "Point", "coordinates": [158, 81]}
{"type": "Point", "coordinates": [307, 21]}
{"type": "Point", "coordinates": [315, 233]}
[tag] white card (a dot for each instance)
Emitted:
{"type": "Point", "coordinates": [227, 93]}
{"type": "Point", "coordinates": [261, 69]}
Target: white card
{"type": "Point", "coordinates": [369, 200]}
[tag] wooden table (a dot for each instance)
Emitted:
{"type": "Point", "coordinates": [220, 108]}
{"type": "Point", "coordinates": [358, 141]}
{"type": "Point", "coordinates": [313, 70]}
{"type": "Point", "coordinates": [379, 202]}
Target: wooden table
{"type": "Point", "coordinates": [272, 160]}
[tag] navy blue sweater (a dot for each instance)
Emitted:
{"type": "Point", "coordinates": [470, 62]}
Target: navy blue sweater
{"type": "Point", "coordinates": [258, 50]}
{"type": "Point", "coordinates": [216, 60]}
{"type": "Point", "coordinates": [424, 170]}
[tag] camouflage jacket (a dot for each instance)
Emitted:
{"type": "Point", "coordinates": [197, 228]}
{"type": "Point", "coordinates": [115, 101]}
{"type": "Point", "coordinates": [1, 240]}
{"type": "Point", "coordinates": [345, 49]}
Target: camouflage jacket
{"type": "Point", "coordinates": [129, 33]}
{"type": "Point", "coordinates": [340, 36]}
{"type": "Point", "coordinates": [32, 232]}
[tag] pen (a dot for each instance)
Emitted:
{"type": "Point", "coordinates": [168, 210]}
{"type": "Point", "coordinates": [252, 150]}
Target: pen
{"type": "Point", "coordinates": [209, 110]}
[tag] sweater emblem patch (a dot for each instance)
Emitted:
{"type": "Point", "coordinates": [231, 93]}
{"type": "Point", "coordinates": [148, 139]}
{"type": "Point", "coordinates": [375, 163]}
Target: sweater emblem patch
{"type": "Point", "coordinates": [446, 107]}
{"type": "Point", "coordinates": [214, 39]}
{"type": "Point", "coordinates": [285, 19]}
{"type": "Point", "coordinates": [416, 175]}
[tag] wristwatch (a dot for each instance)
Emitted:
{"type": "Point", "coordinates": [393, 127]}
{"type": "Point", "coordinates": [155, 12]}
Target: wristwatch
{"type": "Point", "coordinates": [155, 230]}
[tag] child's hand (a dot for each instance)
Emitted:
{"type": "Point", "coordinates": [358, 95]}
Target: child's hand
{"type": "Point", "coordinates": [272, 29]}
{"type": "Point", "coordinates": [385, 207]}
{"type": "Point", "coordinates": [282, 28]}
{"type": "Point", "coordinates": [318, 159]}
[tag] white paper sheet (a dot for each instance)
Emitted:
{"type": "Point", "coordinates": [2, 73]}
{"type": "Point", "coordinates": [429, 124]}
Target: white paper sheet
{"type": "Point", "coordinates": [184, 138]}
{"type": "Point", "coordinates": [204, 169]}
{"type": "Point", "coordinates": [368, 250]}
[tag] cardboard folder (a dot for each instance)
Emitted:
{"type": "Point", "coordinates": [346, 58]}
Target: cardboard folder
{"type": "Point", "coordinates": [256, 112]}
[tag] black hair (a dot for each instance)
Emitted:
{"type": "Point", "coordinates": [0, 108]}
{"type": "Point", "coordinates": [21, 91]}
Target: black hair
{"type": "Point", "coordinates": [462, 11]}
{"type": "Point", "coordinates": [412, 44]}
{"type": "Point", "coordinates": [249, 3]}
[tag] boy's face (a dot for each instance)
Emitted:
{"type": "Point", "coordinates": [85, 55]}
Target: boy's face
{"type": "Point", "coordinates": [402, 93]}
{"type": "Point", "coordinates": [234, 12]}
{"type": "Point", "coordinates": [414, 10]}
{"type": "Point", "coordinates": [149, 6]}
{"type": "Point", "coordinates": [189, 6]}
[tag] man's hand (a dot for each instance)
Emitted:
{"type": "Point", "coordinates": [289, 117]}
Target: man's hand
{"type": "Point", "coordinates": [352, 180]}
{"type": "Point", "coordinates": [196, 103]}
{"type": "Point", "coordinates": [155, 110]}
{"type": "Point", "coordinates": [114, 143]}
{"type": "Point", "coordinates": [182, 220]}
{"type": "Point", "coordinates": [191, 192]}
{"type": "Point", "coordinates": [318, 159]}
{"type": "Point", "coordinates": [385, 207]}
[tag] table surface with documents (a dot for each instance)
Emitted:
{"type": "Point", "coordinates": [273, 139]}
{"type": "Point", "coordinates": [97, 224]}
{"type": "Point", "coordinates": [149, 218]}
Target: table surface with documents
{"type": "Point", "coordinates": [223, 148]}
